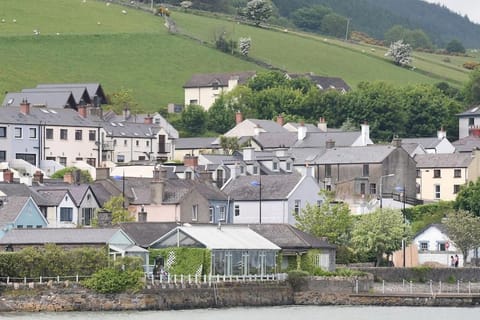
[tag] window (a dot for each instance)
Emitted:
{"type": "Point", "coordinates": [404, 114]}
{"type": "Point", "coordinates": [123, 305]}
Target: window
{"type": "Point", "coordinates": [437, 191]}
{"type": "Point", "coordinates": [436, 173]}
{"type": "Point", "coordinates": [91, 161]}
{"type": "Point", "coordinates": [3, 155]}
{"type": "Point", "coordinates": [147, 143]}
{"type": "Point", "coordinates": [115, 142]}
{"type": "Point", "coordinates": [296, 207]}
{"type": "Point", "coordinates": [362, 188]}
{"type": "Point", "coordinates": [289, 166]}
{"type": "Point", "coordinates": [29, 157]}
{"type": "Point", "coordinates": [255, 170]}
{"type": "Point", "coordinates": [188, 175]}
{"type": "Point", "coordinates": [125, 143]}
{"type": "Point", "coordinates": [419, 173]}
{"type": "Point", "coordinates": [423, 245]}
{"type": "Point", "coordinates": [3, 132]}
{"type": "Point", "coordinates": [32, 133]}
{"type": "Point", "coordinates": [62, 161]}
{"type": "Point", "coordinates": [457, 173]}
{"type": "Point", "coordinates": [137, 143]}
{"type": "Point", "coordinates": [365, 171]}
{"type": "Point", "coordinates": [275, 166]}
{"type": "Point", "coordinates": [319, 203]}
{"type": "Point", "coordinates": [441, 246]}
{"type": "Point", "coordinates": [18, 133]}
{"type": "Point", "coordinates": [328, 171]}
{"type": "Point", "coordinates": [373, 188]}
{"type": "Point", "coordinates": [66, 214]}
{"type": "Point", "coordinates": [78, 135]}
{"type": "Point", "coordinates": [222, 215]}
{"type": "Point", "coordinates": [210, 214]}
{"type": "Point", "coordinates": [471, 121]}
{"type": "Point", "coordinates": [63, 134]}
{"type": "Point", "coordinates": [237, 210]}
{"type": "Point", "coordinates": [456, 188]}
{"type": "Point", "coordinates": [215, 86]}
{"type": "Point", "coordinates": [120, 158]}
{"type": "Point", "coordinates": [87, 216]}
{"type": "Point", "coordinates": [92, 135]}
{"type": "Point", "coordinates": [193, 101]}
{"type": "Point", "coordinates": [195, 212]}
{"type": "Point", "coordinates": [49, 134]}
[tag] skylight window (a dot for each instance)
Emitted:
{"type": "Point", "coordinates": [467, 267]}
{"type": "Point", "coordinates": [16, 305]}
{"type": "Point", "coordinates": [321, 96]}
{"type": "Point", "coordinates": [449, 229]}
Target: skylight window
{"type": "Point", "coordinates": [44, 110]}
{"type": "Point", "coordinates": [474, 109]}
{"type": "Point", "coordinates": [113, 124]}
{"type": "Point", "coordinates": [53, 111]}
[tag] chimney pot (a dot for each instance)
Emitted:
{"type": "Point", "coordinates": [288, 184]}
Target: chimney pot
{"type": "Point", "coordinates": [148, 119]}
{"type": "Point", "coordinates": [280, 120]}
{"type": "Point", "coordinates": [82, 110]}
{"type": "Point", "coordinates": [25, 107]}
{"type": "Point", "coordinates": [8, 176]}
{"type": "Point", "coordinates": [238, 117]}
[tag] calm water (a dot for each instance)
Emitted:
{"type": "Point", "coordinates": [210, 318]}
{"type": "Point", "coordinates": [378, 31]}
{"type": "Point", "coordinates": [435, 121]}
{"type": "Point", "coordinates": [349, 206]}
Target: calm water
{"type": "Point", "coordinates": [277, 313]}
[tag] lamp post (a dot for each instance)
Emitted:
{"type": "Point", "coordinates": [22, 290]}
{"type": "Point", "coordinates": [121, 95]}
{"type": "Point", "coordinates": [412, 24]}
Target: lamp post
{"type": "Point", "coordinates": [381, 187]}
{"type": "Point", "coordinates": [404, 241]}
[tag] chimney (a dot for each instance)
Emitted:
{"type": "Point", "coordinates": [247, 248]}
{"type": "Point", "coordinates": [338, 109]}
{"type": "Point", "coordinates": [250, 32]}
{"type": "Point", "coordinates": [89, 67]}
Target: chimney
{"type": "Point", "coordinates": [142, 215]}
{"type": "Point", "coordinates": [102, 173]}
{"type": "Point", "coordinates": [148, 119]}
{"type": "Point", "coordinates": [232, 82]}
{"type": "Point", "coordinates": [25, 107]}
{"type": "Point", "coordinates": [38, 176]}
{"type": "Point", "coordinates": [238, 117]}
{"type": "Point", "coordinates": [441, 134]}
{"type": "Point", "coordinates": [190, 161]}
{"type": "Point", "coordinates": [8, 176]}
{"type": "Point", "coordinates": [257, 130]}
{"type": "Point", "coordinates": [126, 114]}
{"type": "Point", "coordinates": [104, 218]}
{"type": "Point", "coordinates": [365, 133]}
{"type": "Point", "coordinates": [82, 110]}
{"type": "Point", "coordinates": [330, 144]}
{"type": "Point", "coordinates": [397, 142]}
{"type": "Point", "coordinates": [235, 171]}
{"type": "Point", "coordinates": [206, 176]}
{"type": "Point", "coordinates": [302, 131]}
{"type": "Point", "coordinates": [68, 177]}
{"type": "Point", "coordinates": [248, 154]}
{"type": "Point", "coordinates": [322, 124]}
{"type": "Point", "coordinates": [158, 184]}
{"type": "Point", "coordinates": [308, 171]}
{"type": "Point", "coordinates": [280, 120]}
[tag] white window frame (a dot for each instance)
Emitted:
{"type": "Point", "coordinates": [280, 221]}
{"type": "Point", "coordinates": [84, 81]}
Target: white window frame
{"type": "Point", "coordinates": [195, 212]}
{"type": "Point", "coordinates": [18, 133]}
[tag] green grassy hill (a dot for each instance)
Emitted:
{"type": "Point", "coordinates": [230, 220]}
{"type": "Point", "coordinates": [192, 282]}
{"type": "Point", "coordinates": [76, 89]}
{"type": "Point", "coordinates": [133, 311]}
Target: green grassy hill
{"type": "Point", "coordinates": [93, 42]}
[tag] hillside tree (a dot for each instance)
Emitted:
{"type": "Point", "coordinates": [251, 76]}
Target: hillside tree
{"type": "Point", "coordinates": [455, 46]}
{"type": "Point", "coordinates": [471, 90]}
{"type": "Point", "coordinates": [400, 52]}
{"type": "Point", "coordinates": [258, 11]}
{"type": "Point", "coordinates": [463, 228]}
{"type": "Point", "coordinates": [468, 198]}
{"type": "Point", "coordinates": [193, 120]}
{"type": "Point", "coordinates": [310, 18]}
{"type": "Point", "coordinates": [244, 45]}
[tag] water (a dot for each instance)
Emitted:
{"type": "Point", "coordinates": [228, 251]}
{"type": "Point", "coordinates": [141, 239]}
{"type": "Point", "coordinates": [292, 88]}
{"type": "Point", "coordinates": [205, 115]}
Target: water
{"type": "Point", "coordinates": [277, 313]}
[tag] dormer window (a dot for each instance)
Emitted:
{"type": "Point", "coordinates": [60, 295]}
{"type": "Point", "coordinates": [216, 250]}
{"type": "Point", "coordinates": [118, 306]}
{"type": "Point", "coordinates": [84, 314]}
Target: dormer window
{"type": "Point", "coordinates": [289, 166]}
{"type": "Point", "coordinates": [255, 170]}
{"type": "Point", "coordinates": [215, 85]}
{"type": "Point", "coordinates": [275, 165]}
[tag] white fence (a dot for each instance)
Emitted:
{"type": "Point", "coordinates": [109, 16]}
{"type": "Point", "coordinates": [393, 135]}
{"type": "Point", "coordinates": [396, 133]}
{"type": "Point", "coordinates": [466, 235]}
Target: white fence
{"type": "Point", "coordinates": [430, 287]}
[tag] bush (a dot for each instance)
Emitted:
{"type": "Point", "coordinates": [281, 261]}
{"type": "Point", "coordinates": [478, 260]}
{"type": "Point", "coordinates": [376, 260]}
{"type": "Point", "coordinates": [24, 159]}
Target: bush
{"type": "Point", "coordinates": [297, 279]}
{"type": "Point", "coordinates": [85, 176]}
{"type": "Point", "coordinates": [471, 65]}
{"type": "Point", "coordinates": [114, 280]}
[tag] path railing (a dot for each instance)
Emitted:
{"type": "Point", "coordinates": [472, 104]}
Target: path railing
{"type": "Point", "coordinates": [429, 287]}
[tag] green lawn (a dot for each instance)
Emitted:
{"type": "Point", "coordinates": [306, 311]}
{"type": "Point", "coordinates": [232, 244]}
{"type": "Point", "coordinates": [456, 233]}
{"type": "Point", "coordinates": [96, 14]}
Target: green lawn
{"type": "Point", "coordinates": [92, 42]}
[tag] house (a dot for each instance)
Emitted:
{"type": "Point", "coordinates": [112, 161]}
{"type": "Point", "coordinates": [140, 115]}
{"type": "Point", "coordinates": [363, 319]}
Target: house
{"type": "Point", "coordinates": [234, 250]}
{"type": "Point", "coordinates": [55, 100]}
{"type": "Point", "coordinates": [439, 144]}
{"type": "Point", "coordinates": [195, 146]}
{"type": "Point", "coordinates": [468, 143]}
{"type": "Point", "coordinates": [440, 176]}
{"type": "Point", "coordinates": [17, 212]}
{"type": "Point", "coordinates": [115, 239]}
{"type": "Point", "coordinates": [296, 244]}
{"type": "Point", "coordinates": [323, 83]}
{"type": "Point", "coordinates": [94, 90]}
{"type": "Point", "coordinates": [203, 89]}
{"type": "Point", "coordinates": [145, 233]}
{"type": "Point", "coordinates": [79, 94]}
{"type": "Point", "coordinates": [469, 122]}
{"type": "Point", "coordinates": [434, 245]}
{"type": "Point", "coordinates": [367, 177]}
{"type": "Point", "coordinates": [271, 198]}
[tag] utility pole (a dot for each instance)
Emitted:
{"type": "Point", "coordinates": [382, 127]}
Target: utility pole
{"type": "Point", "coordinates": [346, 32]}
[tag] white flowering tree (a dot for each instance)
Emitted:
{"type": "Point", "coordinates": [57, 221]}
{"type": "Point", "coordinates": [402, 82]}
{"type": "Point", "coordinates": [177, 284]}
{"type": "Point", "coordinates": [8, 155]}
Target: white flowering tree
{"type": "Point", "coordinates": [245, 44]}
{"type": "Point", "coordinates": [400, 52]}
{"type": "Point", "coordinates": [258, 11]}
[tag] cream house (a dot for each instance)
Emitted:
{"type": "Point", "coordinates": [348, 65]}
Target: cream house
{"type": "Point", "coordinates": [440, 176]}
{"type": "Point", "coordinates": [203, 89]}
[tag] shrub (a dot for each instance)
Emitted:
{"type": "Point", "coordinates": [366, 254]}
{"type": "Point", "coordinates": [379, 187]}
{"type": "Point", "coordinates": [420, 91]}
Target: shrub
{"type": "Point", "coordinates": [114, 280]}
{"type": "Point", "coordinates": [471, 65]}
{"type": "Point", "coordinates": [85, 176]}
{"type": "Point", "coordinates": [297, 279]}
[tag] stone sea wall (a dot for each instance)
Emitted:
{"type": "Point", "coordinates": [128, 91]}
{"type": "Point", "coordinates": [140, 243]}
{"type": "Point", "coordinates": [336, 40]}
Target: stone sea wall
{"type": "Point", "coordinates": [423, 274]}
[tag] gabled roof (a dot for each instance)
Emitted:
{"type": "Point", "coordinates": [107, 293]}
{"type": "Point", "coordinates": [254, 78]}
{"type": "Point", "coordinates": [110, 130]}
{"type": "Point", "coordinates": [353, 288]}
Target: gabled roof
{"type": "Point", "coordinates": [200, 80]}
{"type": "Point", "coordinates": [270, 140]}
{"type": "Point", "coordinates": [467, 144]}
{"type": "Point", "coordinates": [144, 233]}
{"type": "Point", "coordinates": [441, 227]}
{"type": "Point", "coordinates": [268, 125]}
{"type": "Point", "coordinates": [76, 191]}
{"type": "Point", "coordinates": [42, 236]}
{"type": "Point", "coordinates": [307, 155]}
{"type": "Point", "coordinates": [319, 139]}
{"type": "Point", "coordinates": [57, 100]}
{"type": "Point", "coordinates": [274, 187]}
{"type": "Point", "coordinates": [412, 148]}
{"type": "Point", "coordinates": [130, 130]}
{"type": "Point", "coordinates": [233, 237]}
{"type": "Point", "coordinates": [473, 111]}
{"type": "Point", "coordinates": [22, 190]}
{"type": "Point", "coordinates": [427, 143]}
{"type": "Point", "coordinates": [54, 197]}
{"type": "Point", "coordinates": [11, 209]}
{"type": "Point", "coordinates": [351, 155]}
{"type": "Point", "coordinates": [79, 93]}
{"type": "Point", "coordinates": [218, 158]}
{"type": "Point", "coordinates": [288, 237]}
{"type": "Point", "coordinates": [195, 143]}
{"type": "Point", "coordinates": [295, 125]}
{"type": "Point", "coordinates": [48, 116]}
{"type": "Point", "coordinates": [93, 88]}
{"type": "Point", "coordinates": [443, 160]}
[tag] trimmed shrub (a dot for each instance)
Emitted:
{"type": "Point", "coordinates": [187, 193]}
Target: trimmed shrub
{"type": "Point", "coordinates": [471, 65]}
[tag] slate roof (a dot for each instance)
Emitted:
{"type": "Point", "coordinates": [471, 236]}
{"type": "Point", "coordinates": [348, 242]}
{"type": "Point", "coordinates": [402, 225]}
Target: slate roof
{"type": "Point", "coordinates": [274, 187]}
{"type": "Point", "coordinates": [288, 237]}
{"type": "Point", "coordinates": [20, 189]}
{"type": "Point", "coordinates": [104, 190]}
{"type": "Point", "coordinates": [200, 80]}
{"type": "Point", "coordinates": [272, 140]}
{"type": "Point", "coordinates": [443, 160]}
{"type": "Point", "coordinates": [54, 197]}
{"type": "Point", "coordinates": [310, 127]}
{"type": "Point", "coordinates": [11, 208]}
{"type": "Point", "coordinates": [81, 236]}
{"type": "Point", "coordinates": [351, 155]}
{"type": "Point", "coordinates": [77, 191]}
{"type": "Point", "coordinates": [93, 89]}
{"type": "Point", "coordinates": [319, 139]}
{"type": "Point", "coordinates": [144, 233]}
{"type": "Point", "coordinates": [411, 147]}
{"type": "Point", "coordinates": [130, 129]}
{"type": "Point", "coordinates": [57, 100]}
{"type": "Point", "coordinates": [467, 144]}
{"type": "Point", "coordinates": [427, 143]}
{"type": "Point", "coordinates": [473, 111]}
{"type": "Point", "coordinates": [268, 125]}
{"type": "Point", "coordinates": [220, 158]}
{"type": "Point", "coordinates": [59, 117]}
{"type": "Point", "coordinates": [306, 155]}
{"type": "Point", "coordinates": [195, 143]}
{"type": "Point", "coordinates": [79, 93]}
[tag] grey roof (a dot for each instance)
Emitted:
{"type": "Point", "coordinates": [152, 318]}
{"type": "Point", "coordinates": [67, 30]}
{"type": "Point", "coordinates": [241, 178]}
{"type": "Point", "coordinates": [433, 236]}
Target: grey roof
{"type": "Point", "coordinates": [77, 191]}
{"type": "Point", "coordinates": [195, 143]}
{"type": "Point", "coordinates": [411, 147]}
{"type": "Point", "coordinates": [319, 139]}
{"type": "Point", "coordinates": [144, 233]}
{"type": "Point", "coordinates": [48, 116]}
{"type": "Point", "coordinates": [467, 144]}
{"type": "Point", "coordinates": [306, 155]}
{"type": "Point", "coordinates": [268, 125]}
{"type": "Point", "coordinates": [427, 143]}
{"type": "Point", "coordinates": [310, 127]}
{"type": "Point", "coordinates": [274, 187]}
{"type": "Point", "coordinates": [79, 93]}
{"type": "Point", "coordinates": [130, 129]}
{"type": "Point", "coordinates": [288, 237]}
{"type": "Point", "coordinates": [221, 158]}
{"type": "Point", "coordinates": [93, 88]}
{"type": "Point", "coordinates": [439, 226]}
{"type": "Point", "coordinates": [350, 155]}
{"type": "Point", "coordinates": [59, 236]}
{"type": "Point", "coordinates": [11, 208]}
{"type": "Point", "coordinates": [57, 100]}
{"type": "Point", "coordinates": [53, 197]}
{"type": "Point", "coordinates": [105, 189]}
{"type": "Point", "coordinates": [443, 160]}
{"type": "Point", "coordinates": [473, 111]}
{"type": "Point", "coordinates": [20, 189]}
{"type": "Point", "coordinates": [208, 79]}
{"type": "Point", "coordinates": [271, 140]}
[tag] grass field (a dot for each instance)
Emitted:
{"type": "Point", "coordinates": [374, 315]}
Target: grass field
{"type": "Point", "coordinates": [92, 42]}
